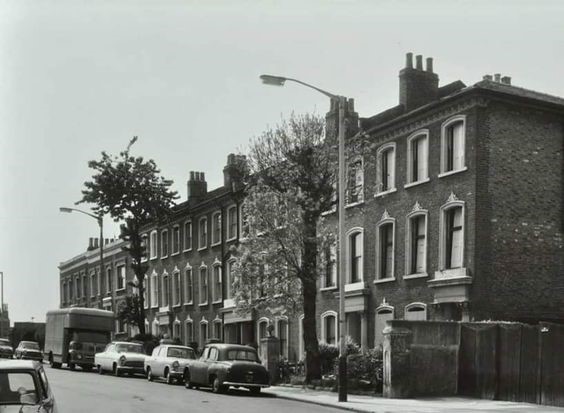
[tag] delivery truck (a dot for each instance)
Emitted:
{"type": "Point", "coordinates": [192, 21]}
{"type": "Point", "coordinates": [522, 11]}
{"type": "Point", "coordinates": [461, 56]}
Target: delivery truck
{"type": "Point", "coordinates": [73, 335]}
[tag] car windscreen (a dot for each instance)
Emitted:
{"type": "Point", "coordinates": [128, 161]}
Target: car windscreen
{"type": "Point", "coordinates": [4, 342]}
{"type": "Point", "coordinates": [180, 353]}
{"type": "Point", "coordinates": [31, 346]}
{"type": "Point", "coordinates": [246, 355]}
{"type": "Point", "coordinates": [129, 348]}
{"type": "Point", "coordinates": [17, 388]}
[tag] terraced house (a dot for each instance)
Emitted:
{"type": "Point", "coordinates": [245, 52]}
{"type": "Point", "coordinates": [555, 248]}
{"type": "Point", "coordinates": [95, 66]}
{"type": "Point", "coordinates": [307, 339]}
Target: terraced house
{"type": "Point", "coordinates": [454, 212]}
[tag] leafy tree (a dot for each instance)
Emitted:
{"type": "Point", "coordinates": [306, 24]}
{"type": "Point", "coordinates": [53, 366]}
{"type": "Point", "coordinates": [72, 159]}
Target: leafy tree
{"type": "Point", "coordinates": [290, 184]}
{"type": "Point", "coordinates": [130, 189]}
{"type": "Point", "coordinates": [129, 311]}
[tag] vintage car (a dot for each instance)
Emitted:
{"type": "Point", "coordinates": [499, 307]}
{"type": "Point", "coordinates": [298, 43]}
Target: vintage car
{"type": "Point", "coordinates": [28, 350]}
{"type": "Point", "coordinates": [121, 357]}
{"type": "Point", "coordinates": [170, 362]}
{"type": "Point", "coordinates": [225, 365]}
{"type": "Point", "coordinates": [6, 349]}
{"type": "Point", "coordinates": [24, 388]}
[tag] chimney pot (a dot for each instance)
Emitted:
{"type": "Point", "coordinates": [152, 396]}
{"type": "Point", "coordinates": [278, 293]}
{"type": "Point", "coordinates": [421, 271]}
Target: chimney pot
{"type": "Point", "coordinates": [409, 60]}
{"type": "Point", "coordinates": [487, 77]}
{"type": "Point", "coordinates": [506, 80]}
{"type": "Point", "coordinates": [95, 243]}
{"type": "Point", "coordinates": [430, 64]}
{"type": "Point", "coordinates": [497, 77]}
{"type": "Point", "coordinates": [90, 243]}
{"type": "Point", "coordinates": [202, 177]}
{"type": "Point", "coordinates": [419, 62]}
{"type": "Point", "coordinates": [191, 175]}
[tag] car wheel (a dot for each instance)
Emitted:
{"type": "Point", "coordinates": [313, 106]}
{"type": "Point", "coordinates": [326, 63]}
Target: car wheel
{"type": "Point", "coordinates": [187, 382]}
{"type": "Point", "coordinates": [72, 366]}
{"type": "Point", "coordinates": [149, 374]}
{"type": "Point", "coordinates": [217, 387]}
{"type": "Point", "coordinates": [100, 369]}
{"type": "Point", "coordinates": [168, 377]}
{"type": "Point", "coordinates": [254, 390]}
{"type": "Point", "coordinates": [117, 372]}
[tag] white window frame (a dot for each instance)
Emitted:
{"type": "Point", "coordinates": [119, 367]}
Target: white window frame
{"type": "Point", "coordinates": [145, 244]}
{"type": "Point", "coordinates": [332, 251]}
{"type": "Point", "coordinates": [261, 321]}
{"type": "Point", "coordinates": [176, 298]}
{"type": "Point", "coordinates": [185, 238]}
{"type": "Point", "coordinates": [188, 328]}
{"type": "Point", "coordinates": [229, 223]}
{"type": "Point", "coordinates": [408, 308]}
{"type": "Point", "coordinates": [215, 242]}
{"type": "Point", "coordinates": [153, 244]}
{"type": "Point", "coordinates": [123, 276]}
{"type": "Point", "coordinates": [187, 269]}
{"type": "Point", "coordinates": [228, 301]}
{"type": "Point", "coordinates": [176, 324]}
{"type": "Point", "coordinates": [301, 344]}
{"type": "Point", "coordinates": [154, 289]}
{"type": "Point", "coordinates": [155, 327]}
{"type": "Point", "coordinates": [329, 313]}
{"type": "Point", "coordinates": [92, 275]}
{"type": "Point", "coordinates": [360, 199]}
{"type": "Point", "coordinates": [391, 185]}
{"type": "Point", "coordinates": [386, 219]}
{"type": "Point", "coordinates": [146, 295]}
{"type": "Point", "coordinates": [205, 323]}
{"type": "Point", "coordinates": [420, 134]}
{"type": "Point", "coordinates": [416, 212]}
{"type": "Point", "coordinates": [200, 247]}
{"type": "Point", "coordinates": [216, 322]}
{"type": "Point", "coordinates": [175, 250]}
{"type": "Point", "coordinates": [444, 128]}
{"type": "Point", "coordinates": [350, 286]}
{"type": "Point", "coordinates": [452, 202]}
{"type": "Point", "coordinates": [164, 243]}
{"type": "Point", "coordinates": [165, 296]}
{"type": "Point", "coordinates": [200, 295]}
{"type": "Point", "coordinates": [285, 349]}
{"type": "Point", "coordinates": [217, 265]}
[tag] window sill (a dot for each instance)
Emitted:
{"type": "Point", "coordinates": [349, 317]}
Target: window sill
{"type": "Point", "coordinates": [164, 256]}
{"type": "Point", "coordinates": [231, 239]}
{"type": "Point", "coordinates": [228, 303]}
{"type": "Point", "coordinates": [417, 275]}
{"type": "Point", "coordinates": [384, 280]}
{"type": "Point", "coordinates": [118, 290]}
{"type": "Point", "coordinates": [189, 303]}
{"type": "Point", "coordinates": [355, 286]}
{"type": "Point", "coordinates": [412, 184]}
{"type": "Point", "coordinates": [202, 248]}
{"type": "Point", "coordinates": [177, 305]}
{"type": "Point", "coordinates": [154, 306]}
{"type": "Point", "coordinates": [332, 288]}
{"type": "Point", "coordinates": [354, 204]}
{"type": "Point", "coordinates": [215, 244]}
{"type": "Point", "coordinates": [175, 253]}
{"type": "Point", "coordinates": [389, 191]}
{"type": "Point", "coordinates": [325, 213]}
{"type": "Point", "coordinates": [187, 250]}
{"type": "Point", "coordinates": [217, 302]}
{"type": "Point", "coordinates": [203, 304]}
{"type": "Point", "coordinates": [153, 258]}
{"type": "Point", "coordinates": [443, 174]}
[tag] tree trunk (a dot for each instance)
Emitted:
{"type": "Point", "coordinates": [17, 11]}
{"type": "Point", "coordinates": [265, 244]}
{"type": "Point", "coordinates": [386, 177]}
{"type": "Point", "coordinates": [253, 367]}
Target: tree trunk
{"type": "Point", "coordinates": [309, 288]}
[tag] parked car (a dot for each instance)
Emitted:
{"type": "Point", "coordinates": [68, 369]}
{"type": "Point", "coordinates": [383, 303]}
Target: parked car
{"type": "Point", "coordinates": [6, 349]}
{"type": "Point", "coordinates": [170, 362]}
{"type": "Point", "coordinates": [28, 350]}
{"type": "Point", "coordinates": [121, 357]}
{"type": "Point", "coordinates": [225, 365]}
{"type": "Point", "coordinates": [24, 388]}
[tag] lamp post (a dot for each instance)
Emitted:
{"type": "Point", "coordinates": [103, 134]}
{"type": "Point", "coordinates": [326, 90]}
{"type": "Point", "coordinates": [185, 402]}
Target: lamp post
{"type": "Point", "coordinates": [2, 305]}
{"type": "Point", "coordinates": [100, 221]}
{"type": "Point", "coordinates": [279, 81]}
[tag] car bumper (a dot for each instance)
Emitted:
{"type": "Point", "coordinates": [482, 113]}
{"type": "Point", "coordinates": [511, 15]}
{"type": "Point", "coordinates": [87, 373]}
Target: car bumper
{"type": "Point", "coordinates": [128, 369]}
{"type": "Point", "coordinates": [232, 383]}
{"type": "Point", "coordinates": [33, 357]}
{"type": "Point", "coordinates": [176, 374]}
{"type": "Point", "coordinates": [6, 356]}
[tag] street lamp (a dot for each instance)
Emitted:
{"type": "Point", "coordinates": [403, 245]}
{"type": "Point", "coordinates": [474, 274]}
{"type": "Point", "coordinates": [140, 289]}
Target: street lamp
{"type": "Point", "coordinates": [2, 305]}
{"type": "Point", "coordinates": [100, 221]}
{"type": "Point", "coordinates": [279, 81]}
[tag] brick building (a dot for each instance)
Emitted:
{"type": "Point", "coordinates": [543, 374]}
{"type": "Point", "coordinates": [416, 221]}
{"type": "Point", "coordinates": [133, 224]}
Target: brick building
{"type": "Point", "coordinates": [454, 212]}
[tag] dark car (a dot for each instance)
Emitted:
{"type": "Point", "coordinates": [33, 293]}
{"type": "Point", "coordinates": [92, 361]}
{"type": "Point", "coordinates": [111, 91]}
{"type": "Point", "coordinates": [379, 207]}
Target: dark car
{"type": "Point", "coordinates": [28, 350]}
{"type": "Point", "coordinates": [225, 365]}
{"type": "Point", "coordinates": [6, 349]}
{"type": "Point", "coordinates": [24, 388]}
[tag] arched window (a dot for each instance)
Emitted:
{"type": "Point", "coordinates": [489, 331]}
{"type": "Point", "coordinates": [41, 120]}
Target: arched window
{"type": "Point", "coordinates": [416, 311]}
{"type": "Point", "coordinates": [282, 334]}
{"type": "Point", "coordinates": [176, 329]}
{"type": "Point", "coordinates": [217, 284]}
{"type": "Point", "coordinates": [165, 290]}
{"type": "Point", "coordinates": [386, 169]}
{"type": "Point", "coordinates": [453, 142]}
{"type": "Point", "coordinates": [176, 287]}
{"type": "Point", "coordinates": [301, 345]}
{"type": "Point", "coordinates": [355, 252]}
{"type": "Point", "coordinates": [385, 248]}
{"type": "Point", "coordinates": [203, 279]}
{"type": "Point", "coordinates": [203, 332]}
{"type": "Point", "coordinates": [188, 285]}
{"type": "Point", "coordinates": [417, 158]}
{"type": "Point", "coordinates": [451, 228]}
{"type": "Point", "coordinates": [355, 182]}
{"type": "Point", "coordinates": [217, 329]}
{"type": "Point", "coordinates": [154, 289]}
{"type": "Point", "coordinates": [329, 327]}
{"type": "Point", "coordinates": [416, 242]}
{"type": "Point", "coordinates": [188, 331]}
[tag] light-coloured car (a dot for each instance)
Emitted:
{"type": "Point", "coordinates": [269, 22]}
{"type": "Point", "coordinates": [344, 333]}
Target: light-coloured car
{"type": "Point", "coordinates": [121, 357]}
{"type": "Point", "coordinates": [24, 388]}
{"type": "Point", "coordinates": [170, 362]}
{"type": "Point", "coordinates": [6, 349]}
{"type": "Point", "coordinates": [28, 350]}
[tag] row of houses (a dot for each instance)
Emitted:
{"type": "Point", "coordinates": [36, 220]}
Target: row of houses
{"type": "Point", "coordinates": [454, 211]}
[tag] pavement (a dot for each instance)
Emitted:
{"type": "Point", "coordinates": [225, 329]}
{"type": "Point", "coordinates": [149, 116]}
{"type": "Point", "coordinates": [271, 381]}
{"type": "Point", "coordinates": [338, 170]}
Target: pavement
{"type": "Point", "coordinates": [423, 405]}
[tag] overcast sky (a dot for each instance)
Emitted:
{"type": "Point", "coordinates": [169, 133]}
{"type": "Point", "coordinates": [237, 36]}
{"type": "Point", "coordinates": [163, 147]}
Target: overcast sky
{"type": "Point", "coordinates": [78, 77]}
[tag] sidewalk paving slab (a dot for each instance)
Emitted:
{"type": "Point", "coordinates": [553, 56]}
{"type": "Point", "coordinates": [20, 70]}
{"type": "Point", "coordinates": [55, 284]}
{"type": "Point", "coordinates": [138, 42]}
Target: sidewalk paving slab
{"type": "Point", "coordinates": [377, 404]}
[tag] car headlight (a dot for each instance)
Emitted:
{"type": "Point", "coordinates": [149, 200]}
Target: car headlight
{"type": "Point", "coordinates": [122, 360]}
{"type": "Point", "coordinates": [175, 365]}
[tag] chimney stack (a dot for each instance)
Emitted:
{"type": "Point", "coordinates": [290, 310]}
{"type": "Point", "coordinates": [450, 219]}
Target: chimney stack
{"type": "Point", "coordinates": [506, 80]}
{"type": "Point", "coordinates": [497, 77]}
{"type": "Point", "coordinates": [197, 186]}
{"type": "Point", "coordinates": [417, 86]}
{"type": "Point", "coordinates": [95, 243]}
{"type": "Point", "coordinates": [90, 244]}
{"type": "Point", "coordinates": [233, 171]}
{"type": "Point", "coordinates": [487, 77]}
